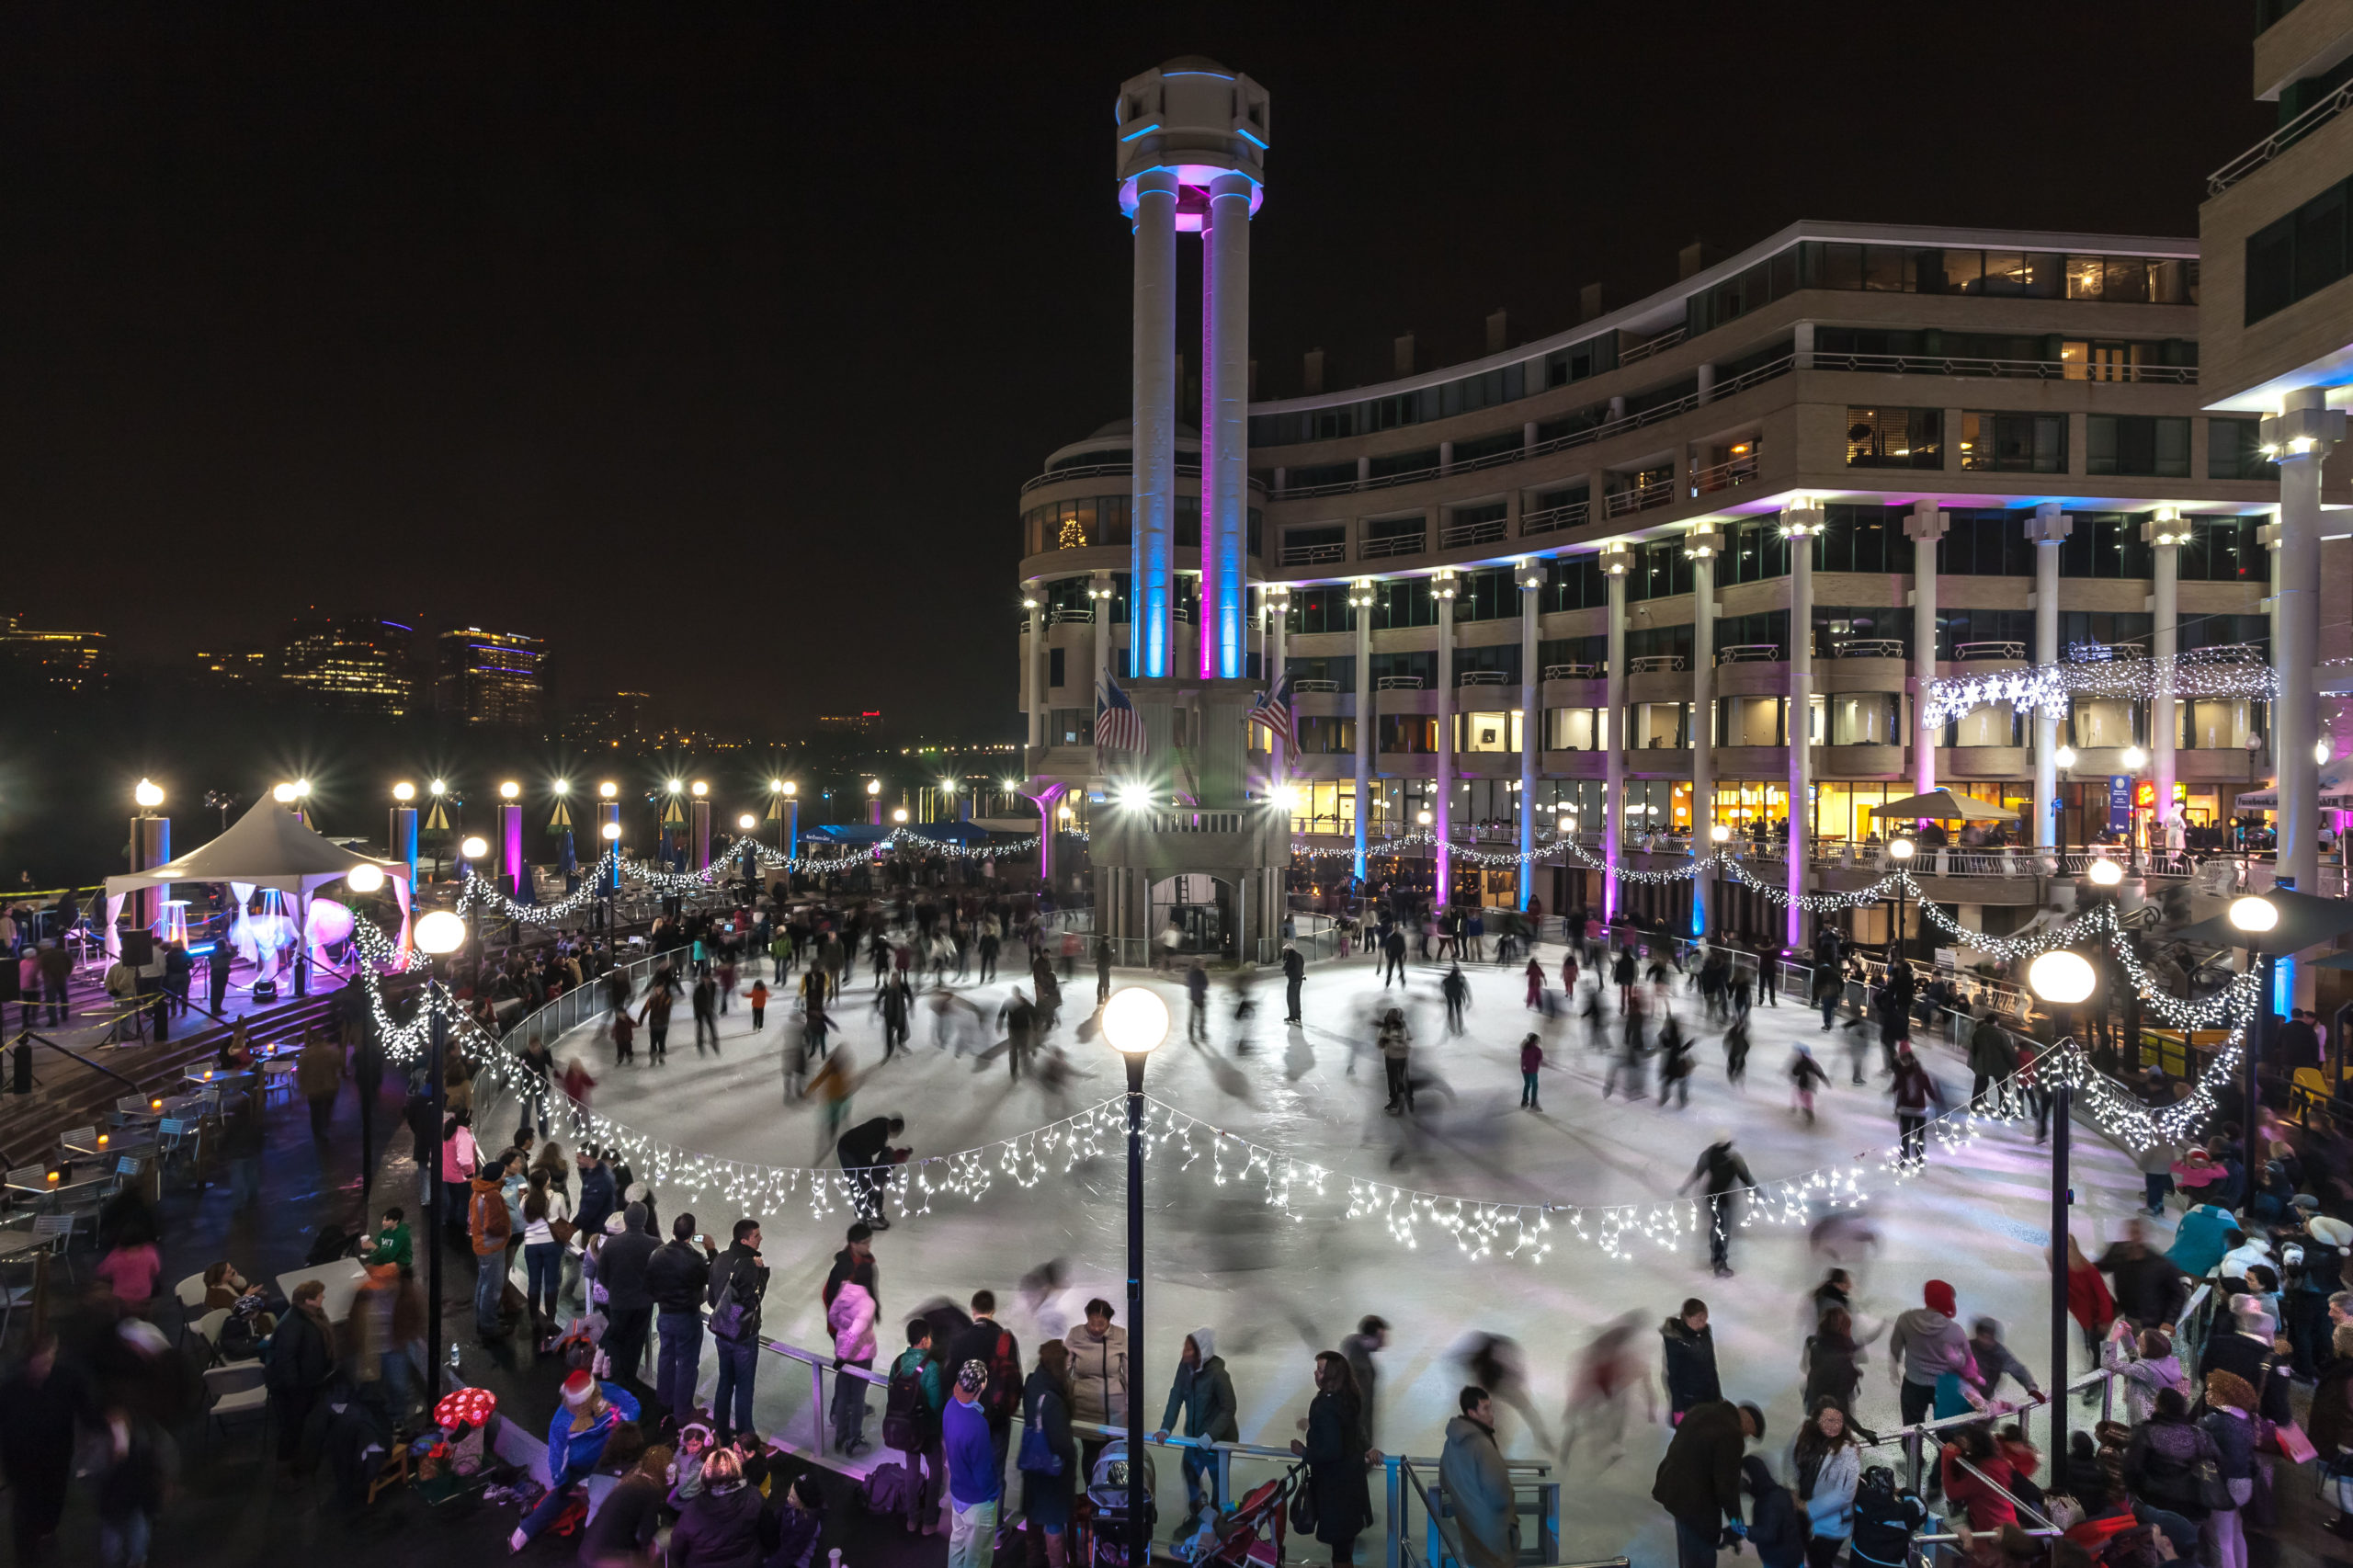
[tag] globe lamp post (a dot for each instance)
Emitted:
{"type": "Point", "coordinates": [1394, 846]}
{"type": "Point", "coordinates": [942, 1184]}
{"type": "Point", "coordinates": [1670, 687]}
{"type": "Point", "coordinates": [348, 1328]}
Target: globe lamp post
{"type": "Point", "coordinates": [2065, 979]}
{"type": "Point", "coordinates": [438, 935]}
{"type": "Point", "coordinates": [1134, 1021]}
{"type": "Point", "coordinates": [2257, 916]}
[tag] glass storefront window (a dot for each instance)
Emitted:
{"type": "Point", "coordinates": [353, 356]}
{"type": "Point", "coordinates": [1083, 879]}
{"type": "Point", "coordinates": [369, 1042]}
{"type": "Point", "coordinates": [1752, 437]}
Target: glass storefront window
{"type": "Point", "coordinates": [1865, 719]}
{"type": "Point", "coordinates": [1326, 806]}
{"type": "Point", "coordinates": [2212, 723]}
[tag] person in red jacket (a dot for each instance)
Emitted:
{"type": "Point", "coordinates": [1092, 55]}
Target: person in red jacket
{"type": "Point", "coordinates": [1531, 1057]}
{"type": "Point", "coordinates": [2088, 1301]}
{"type": "Point", "coordinates": [1999, 1462]}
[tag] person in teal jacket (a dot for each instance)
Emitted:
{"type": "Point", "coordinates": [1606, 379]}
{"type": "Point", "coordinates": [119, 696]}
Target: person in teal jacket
{"type": "Point", "coordinates": [2197, 1243]}
{"type": "Point", "coordinates": [916, 1435]}
{"type": "Point", "coordinates": [1202, 1395]}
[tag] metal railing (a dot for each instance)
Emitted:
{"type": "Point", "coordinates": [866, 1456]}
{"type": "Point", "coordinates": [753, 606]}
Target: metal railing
{"type": "Point", "coordinates": [2026, 370]}
{"type": "Point", "coordinates": [1314, 554]}
{"type": "Point", "coordinates": [1656, 664]}
{"type": "Point", "coordinates": [1601, 431]}
{"type": "Point", "coordinates": [1748, 653]}
{"type": "Point", "coordinates": [1637, 498]}
{"type": "Point", "coordinates": [1398, 683]}
{"type": "Point", "coordinates": [1305, 688]}
{"type": "Point", "coordinates": [2279, 141]}
{"type": "Point", "coordinates": [1394, 544]}
{"type": "Point", "coordinates": [1483, 678]}
{"type": "Point", "coordinates": [1485, 530]}
{"type": "Point", "coordinates": [1724, 475]}
{"type": "Point", "coordinates": [1966, 652]}
{"type": "Point", "coordinates": [1573, 670]}
{"type": "Point", "coordinates": [1868, 648]}
{"type": "Point", "coordinates": [1659, 344]}
{"type": "Point", "coordinates": [1551, 519]}
{"type": "Point", "coordinates": [1116, 471]}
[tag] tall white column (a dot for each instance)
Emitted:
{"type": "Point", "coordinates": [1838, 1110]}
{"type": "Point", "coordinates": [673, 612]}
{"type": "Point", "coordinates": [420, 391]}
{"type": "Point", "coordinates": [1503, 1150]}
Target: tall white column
{"type": "Point", "coordinates": [1276, 605]}
{"type": "Point", "coordinates": [1800, 522]}
{"type": "Point", "coordinates": [2166, 534]}
{"type": "Point", "coordinates": [1531, 722]}
{"type": "Point", "coordinates": [1702, 548]}
{"type": "Point", "coordinates": [1152, 555]}
{"type": "Point", "coordinates": [1614, 560]}
{"type": "Point", "coordinates": [1225, 426]}
{"type": "Point", "coordinates": [1360, 601]}
{"type": "Point", "coordinates": [2300, 436]}
{"type": "Point", "coordinates": [1442, 780]}
{"type": "Point", "coordinates": [1037, 668]}
{"type": "Point", "coordinates": [2047, 528]}
{"type": "Point", "coordinates": [1925, 525]}
{"type": "Point", "coordinates": [1098, 592]}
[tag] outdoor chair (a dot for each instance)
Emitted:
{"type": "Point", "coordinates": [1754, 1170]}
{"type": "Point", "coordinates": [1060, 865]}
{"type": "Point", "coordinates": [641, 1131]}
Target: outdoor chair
{"type": "Point", "coordinates": [190, 1292]}
{"type": "Point", "coordinates": [234, 1392]}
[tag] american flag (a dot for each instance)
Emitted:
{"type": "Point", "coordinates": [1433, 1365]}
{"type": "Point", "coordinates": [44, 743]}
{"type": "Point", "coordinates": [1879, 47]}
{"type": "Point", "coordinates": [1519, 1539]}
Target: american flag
{"type": "Point", "coordinates": [1273, 708]}
{"type": "Point", "coordinates": [1117, 725]}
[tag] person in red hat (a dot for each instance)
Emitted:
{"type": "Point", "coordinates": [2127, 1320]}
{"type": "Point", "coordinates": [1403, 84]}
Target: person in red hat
{"type": "Point", "coordinates": [577, 1440]}
{"type": "Point", "coordinates": [1926, 1344]}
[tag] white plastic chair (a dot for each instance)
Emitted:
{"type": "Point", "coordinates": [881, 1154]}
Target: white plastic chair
{"type": "Point", "coordinates": [234, 1390]}
{"type": "Point", "coordinates": [191, 1291]}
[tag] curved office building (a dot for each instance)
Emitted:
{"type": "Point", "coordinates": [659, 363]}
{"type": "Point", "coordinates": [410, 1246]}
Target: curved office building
{"type": "Point", "coordinates": [1686, 563]}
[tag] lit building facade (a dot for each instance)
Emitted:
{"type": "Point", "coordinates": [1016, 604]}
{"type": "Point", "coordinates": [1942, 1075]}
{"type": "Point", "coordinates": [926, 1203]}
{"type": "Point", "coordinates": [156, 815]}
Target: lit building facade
{"type": "Point", "coordinates": [491, 677]}
{"type": "Point", "coordinates": [1689, 562]}
{"type": "Point", "coordinates": [348, 661]}
{"type": "Point", "coordinates": [70, 661]}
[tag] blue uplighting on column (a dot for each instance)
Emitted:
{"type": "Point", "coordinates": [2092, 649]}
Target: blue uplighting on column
{"type": "Point", "coordinates": [2283, 985]}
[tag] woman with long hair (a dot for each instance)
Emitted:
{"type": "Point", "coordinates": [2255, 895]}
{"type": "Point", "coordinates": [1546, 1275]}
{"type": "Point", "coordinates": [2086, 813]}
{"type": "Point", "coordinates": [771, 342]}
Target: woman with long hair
{"type": "Point", "coordinates": [1045, 1410]}
{"type": "Point", "coordinates": [543, 1208]}
{"type": "Point", "coordinates": [1337, 1457]}
{"type": "Point", "coordinates": [1827, 1463]}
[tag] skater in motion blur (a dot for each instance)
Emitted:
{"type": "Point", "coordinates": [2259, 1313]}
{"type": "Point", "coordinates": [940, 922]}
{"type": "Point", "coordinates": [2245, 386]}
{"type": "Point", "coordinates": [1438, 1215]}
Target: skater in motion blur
{"type": "Point", "coordinates": [1725, 1173]}
{"type": "Point", "coordinates": [1494, 1363]}
{"type": "Point", "coordinates": [1600, 1387]}
{"type": "Point", "coordinates": [1805, 1073]}
{"type": "Point", "coordinates": [1396, 1053]}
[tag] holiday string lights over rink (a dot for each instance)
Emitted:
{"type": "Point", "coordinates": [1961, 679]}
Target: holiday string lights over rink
{"type": "Point", "coordinates": [2051, 689]}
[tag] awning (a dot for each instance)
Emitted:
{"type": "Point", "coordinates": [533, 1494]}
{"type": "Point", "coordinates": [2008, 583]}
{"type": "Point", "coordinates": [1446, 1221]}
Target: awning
{"type": "Point", "coordinates": [1943, 806]}
{"type": "Point", "coordinates": [2335, 794]}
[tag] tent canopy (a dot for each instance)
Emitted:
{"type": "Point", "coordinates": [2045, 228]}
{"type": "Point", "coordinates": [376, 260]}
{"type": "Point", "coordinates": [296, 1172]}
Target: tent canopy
{"type": "Point", "coordinates": [270, 847]}
{"type": "Point", "coordinates": [2336, 793]}
{"type": "Point", "coordinates": [1943, 806]}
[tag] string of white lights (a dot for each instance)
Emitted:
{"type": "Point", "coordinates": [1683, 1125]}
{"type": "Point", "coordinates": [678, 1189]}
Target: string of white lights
{"type": "Point", "coordinates": [2051, 688]}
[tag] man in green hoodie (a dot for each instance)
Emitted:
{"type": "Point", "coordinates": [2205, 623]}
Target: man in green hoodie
{"type": "Point", "coordinates": [1203, 1393]}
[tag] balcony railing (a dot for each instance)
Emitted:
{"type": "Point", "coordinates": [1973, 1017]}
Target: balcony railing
{"type": "Point", "coordinates": [1574, 438]}
{"type": "Point", "coordinates": [1574, 672]}
{"type": "Point", "coordinates": [2025, 369]}
{"type": "Point", "coordinates": [1657, 665]}
{"type": "Point", "coordinates": [1399, 683]}
{"type": "Point", "coordinates": [1726, 475]}
{"type": "Point", "coordinates": [1486, 530]}
{"type": "Point", "coordinates": [2279, 141]}
{"type": "Point", "coordinates": [1116, 471]}
{"type": "Point", "coordinates": [1749, 654]}
{"type": "Point", "coordinates": [1551, 519]}
{"type": "Point", "coordinates": [1868, 648]}
{"type": "Point", "coordinates": [1482, 678]}
{"type": "Point", "coordinates": [1968, 651]}
{"type": "Point", "coordinates": [1659, 344]}
{"type": "Point", "coordinates": [2225, 653]}
{"type": "Point", "coordinates": [1305, 687]}
{"type": "Point", "coordinates": [1639, 498]}
{"type": "Point", "coordinates": [1313, 554]}
{"type": "Point", "coordinates": [1083, 614]}
{"type": "Point", "coordinates": [1395, 544]}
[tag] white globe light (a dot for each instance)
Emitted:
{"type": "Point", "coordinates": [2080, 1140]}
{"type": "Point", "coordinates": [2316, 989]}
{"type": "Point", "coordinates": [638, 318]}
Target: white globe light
{"type": "Point", "coordinates": [1423, 818]}
{"type": "Point", "coordinates": [440, 787]}
{"type": "Point", "coordinates": [1135, 1020]}
{"type": "Point", "coordinates": [791, 788]}
{"type": "Point", "coordinates": [608, 790]}
{"type": "Point", "coordinates": [612, 832]}
{"type": "Point", "coordinates": [148, 793]}
{"type": "Point", "coordinates": [1135, 797]}
{"type": "Point", "coordinates": [284, 794]}
{"type": "Point", "coordinates": [1900, 847]}
{"type": "Point", "coordinates": [2106, 872]}
{"type": "Point", "coordinates": [676, 785]}
{"type": "Point", "coordinates": [404, 791]}
{"type": "Point", "coordinates": [364, 879]}
{"type": "Point", "coordinates": [2061, 976]}
{"type": "Point", "coordinates": [302, 788]}
{"type": "Point", "coordinates": [747, 821]}
{"type": "Point", "coordinates": [700, 790]}
{"type": "Point", "coordinates": [2323, 749]}
{"type": "Point", "coordinates": [2135, 758]}
{"type": "Point", "coordinates": [2254, 915]}
{"type": "Point", "coordinates": [874, 786]}
{"type": "Point", "coordinates": [2065, 756]}
{"type": "Point", "coordinates": [900, 815]}
{"type": "Point", "coordinates": [475, 848]}
{"type": "Point", "coordinates": [1721, 833]}
{"type": "Point", "coordinates": [440, 933]}
{"type": "Point", "coordinates": [560, 786]}
{"type": "Point", "coordinates": [509, 789]}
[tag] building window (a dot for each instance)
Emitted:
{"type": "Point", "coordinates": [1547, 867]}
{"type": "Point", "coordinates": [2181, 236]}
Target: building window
{"type": "Point", "coordinates": [1896, 438]}
{"type": "Point", "coordinates": [1054, 667]}
{"type": "Point", "coordinates": [2014, 443]}
{"type": "Point", "coordinates": [2235, 450]}
{"type": "Point", "coordinates": [2136, 444]}
{"type": "Point", "coordinates": [2299, 255]}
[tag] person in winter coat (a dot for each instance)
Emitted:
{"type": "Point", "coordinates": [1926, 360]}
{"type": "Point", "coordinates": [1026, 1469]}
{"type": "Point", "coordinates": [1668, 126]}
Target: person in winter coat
{"type": "Point", "coordinates": [720, 1526]}
{"type": "Point", "coordinates": [41, 1402]}
{"type": "Point", "coordinates": [850, 1320]}
{"type": "Point", "coordinates": [1045, 1408]}
{"type": "Point", "coordinates": [2147, 1364]}
{"type": "Point", "coordinates": [2149, 1285]}
{"type": "Point", "coordinates": [1098, 1368]}
{"type": "Point", "coordinates": [1689, 1368]}
{"type": "Point", "coordinates": [1914, 1090]}
{"type": "Point", "coordinates": [2230, 1423]}
{"type": "Point", "coordinates": [1829, 1464]}
{"type": "Point", "coordinates": [1995, 1361]}
{"type": "Point", "coordinates": [2332, 1412]}
{"type": "Point", "coordinates": [318, 1073]}
{"type": "Point", "coordinates": [2197, 1243]}
{"type": "Point", "coordinates": [1478, 1484]}
{"type": "Point", "coordinates": [301, 1363]}
{"type": "Point", "coordinates": [1777, 1529]}
{"type": "Point", "coordinates": [2088, 1301]}
{"type": "Point", "coordinates": [1337, 1457]}
{"type": "Point", "coordinates": [740, 1276]}
{"type": "Point", "coordinates": [1698, 1480]}
{"type": "Point", "coordinates": [622, 1265]}
{"type": "Point", "coordinates": [620, 1534]}
{"type": "Point", "coordinates": [1886, 1517]}
{"type": "Point", "coordinates": [584, 1423]}
{"type": "Point", "coordinates": [1203, 1395]}
{"type": "Point", "coordinates": [1924, 1344]}
{"type": "Point", "coordinates": [1833, 1361]}
{"type": "Point", "coordinates": [2160, 1462]}
{"type": "Point", "coordinates": [676, 1277]}
{"type": "Point", "coordinates": [2002, 1463]}
{"type": "Point", "coordinates": [2253, 1354]}
{"type": "Point", "coordinates": [1992, 1058]}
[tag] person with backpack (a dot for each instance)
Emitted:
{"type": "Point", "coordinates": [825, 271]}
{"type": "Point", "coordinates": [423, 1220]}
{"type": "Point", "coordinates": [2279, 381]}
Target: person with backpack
{"type": "Point", "coordinates": [738, 1279]}
{"type": "Point", "coordinates": [910, 1424]}
{"type": "Point", "coordinates": [1776, 1528]}
{"type": "Point", "coordinates": [1886, 1516]}
{"type": "Point", "coordinates": [993, 1346]}
{"type": "Point", "coordinates": [1049, 1457]}
{"type": "Point", "coordinates": [1203, 1394]}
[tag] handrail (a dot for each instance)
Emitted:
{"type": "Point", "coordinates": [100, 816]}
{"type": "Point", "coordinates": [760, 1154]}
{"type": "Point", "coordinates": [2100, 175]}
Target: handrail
{"type": "Point", "coordinates": [1649, 346]}
{"type": "Point", "coordinates": [1485, 530]}
{"type": "Point", "coordinates": [1748, 653]}
{"type": "Point", "coordinates": [1313, 554]}
{"type": "Point", "coordinates": [94, 1066]}
{"type": "Point", "coordinates": [1399, 683]}
{"type": "Point", "coordinates": [1585, 437]}
{"type": "Point", "coordinates": [1114, 471]}
{"type": "Point", "coordinates": [1314, 683]}
{"type": "Point", "coordinates": [1573, 671]}
{"type": "Point", "coordinates": [2279, 141]}
{"type": "Point", "coordinates": [1637, 498]}
{"type": "Point", "coordinates": [1966, 652]}
{"type": "Point", "coordinates": [1868, 648]}
{"type": "Point", "coordinates": [2029, 369]}
{"type": "Point", "coordinates": [1395, 544]}
{"type": "Point", "coordinates": [1724, 475]}
{"type": "Point", "coordinates": [1568, 514]}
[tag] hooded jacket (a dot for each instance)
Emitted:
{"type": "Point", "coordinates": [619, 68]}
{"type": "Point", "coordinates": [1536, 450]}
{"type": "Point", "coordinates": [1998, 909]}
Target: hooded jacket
{"type": "Point", "coordinates": [1476, 1480]}
{"type": "Point", "coordinates": [719, 1528]}
{"type": "Point", "coordinates": [850, 1319]}
{"type": "Point", "coordinates": [1926, 1344]}
{"type": "Point", "coordinates": [2159, 1465]}
{"type": "Point", "coordinates": [1698, 1480]}
{"type": "Point", "coordinates": [1691, 1365]}
{"type": "Point", "coordinates": [1203, 1394]}
{"type": "Point", "coordinates": [486, 1218]}
{"type": "Point", "coordinates": [622, 1262]}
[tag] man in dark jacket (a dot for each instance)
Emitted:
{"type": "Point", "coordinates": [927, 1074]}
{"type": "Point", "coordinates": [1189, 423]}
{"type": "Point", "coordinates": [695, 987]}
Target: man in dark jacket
{"type": "Point", "coordinates": [1690, 1369]}
{"type": "Point", "coordinates": [1698, 1480]}
{"type": "Point", "coordinates": [857, 1252]}
{"type": "Point", "coordinates": [1294, 973]}
{"type": "Point", "coordinates": [993, 1344]}
{"type": "Point", "coordinates": [676, 1277]}
{"type": "Point", "coordinates": [1203, 1395]}
{"type": "Point", "coordinates": [865, 1154]}
{"type": "Point", "coordinates": [40, 1403]}
{"type": "Point", "coordinates": [2250, 1353]}
{"type": "Point", "coordinates": [739, 1277]}
{"type": "Point", "coordinates": [302, 1361]}
{"type": "Point", "coordinates": [629, 1303]}
{"type": "Point", "coordinates": [2148, 1286]}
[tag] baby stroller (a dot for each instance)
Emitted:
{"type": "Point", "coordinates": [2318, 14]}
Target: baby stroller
{"type": "Point", "coordinates": [1102, 1518]}
{"type": "Point", "coordinates": [1251, 1535]}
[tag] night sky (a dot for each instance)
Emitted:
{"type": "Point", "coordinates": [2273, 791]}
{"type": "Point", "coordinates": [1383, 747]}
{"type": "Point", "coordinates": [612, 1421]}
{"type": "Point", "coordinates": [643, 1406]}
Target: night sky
{"type": "Point", "coordinates": [715, 348]}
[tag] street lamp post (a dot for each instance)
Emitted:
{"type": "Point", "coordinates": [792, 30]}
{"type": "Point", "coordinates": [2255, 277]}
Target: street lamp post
{"type": "Point", "coordinates": [2064, 979]}
{"type": "Point", "coordinates": [2105, 874]}
{"type": "Point", "coordinates": [2134, 759]}
{"type": "Point", "coordinates": [1720, 835]}
{"type": "Point", "coordinates": [471, 850]}
{"type": "Point", "coordinates": [2256, 917]}
{"type": "Point", "coordinates": [440, 933]}
{"type": "Point", "coordinates": [1900, 851]}
{"type": "Point", "coordinates": [365, 880]}
{"type": "Point", "coordinates": [610, 832]}
{"type": "Point", "coordinates": [1134, 1021]}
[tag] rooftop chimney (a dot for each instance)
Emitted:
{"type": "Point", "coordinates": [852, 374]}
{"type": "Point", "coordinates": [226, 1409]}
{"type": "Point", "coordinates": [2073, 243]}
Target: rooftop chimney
{"type": "Point", "coordinates": [1496, 332]}
{"type": "Point", "coordinates": [1310, 378]}
{"type": "Point", "coordinates": [1405, 348]}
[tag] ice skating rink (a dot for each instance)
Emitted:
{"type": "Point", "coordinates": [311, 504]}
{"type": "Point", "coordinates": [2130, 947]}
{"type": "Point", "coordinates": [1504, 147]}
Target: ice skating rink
{"type": "Point", "coordinates": [1279, 1287]}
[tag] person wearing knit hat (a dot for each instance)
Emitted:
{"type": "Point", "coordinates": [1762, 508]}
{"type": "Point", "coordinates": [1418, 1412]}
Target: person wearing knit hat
{"type": "Point", "coordinates": [577, 1440]}
{"type": "Point", "coordinates": [2231, 1402]}
{"type": "Point", "coordinates": [975, 1470]}
{"type": "Point", "coordinates": [2250, 1355]}
{"type": "Point", "coordinates": [1924, 1344]}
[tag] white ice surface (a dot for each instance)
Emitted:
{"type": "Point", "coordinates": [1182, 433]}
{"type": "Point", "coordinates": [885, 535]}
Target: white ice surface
{"type": "Point", "coordinates": [1278, 1287]}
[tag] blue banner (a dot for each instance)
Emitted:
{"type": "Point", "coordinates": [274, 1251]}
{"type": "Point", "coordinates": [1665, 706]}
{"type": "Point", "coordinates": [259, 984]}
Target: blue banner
{"type": "Point", "coordinates": [2120, 801]}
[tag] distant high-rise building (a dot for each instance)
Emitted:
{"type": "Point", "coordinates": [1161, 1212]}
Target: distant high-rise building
{"type": "Point", "coordinates": [350, 662]}
{"type": "Point", "coordinates": [245, 666]}
{"type": "Point", "coordinates": [73, 660]}
{"type": "Point", "coordinates": [613, 721]}
{"type": "Point", "coordinates": [866, 723]}
{"type": "Point", "coordinates": [492, 677]}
